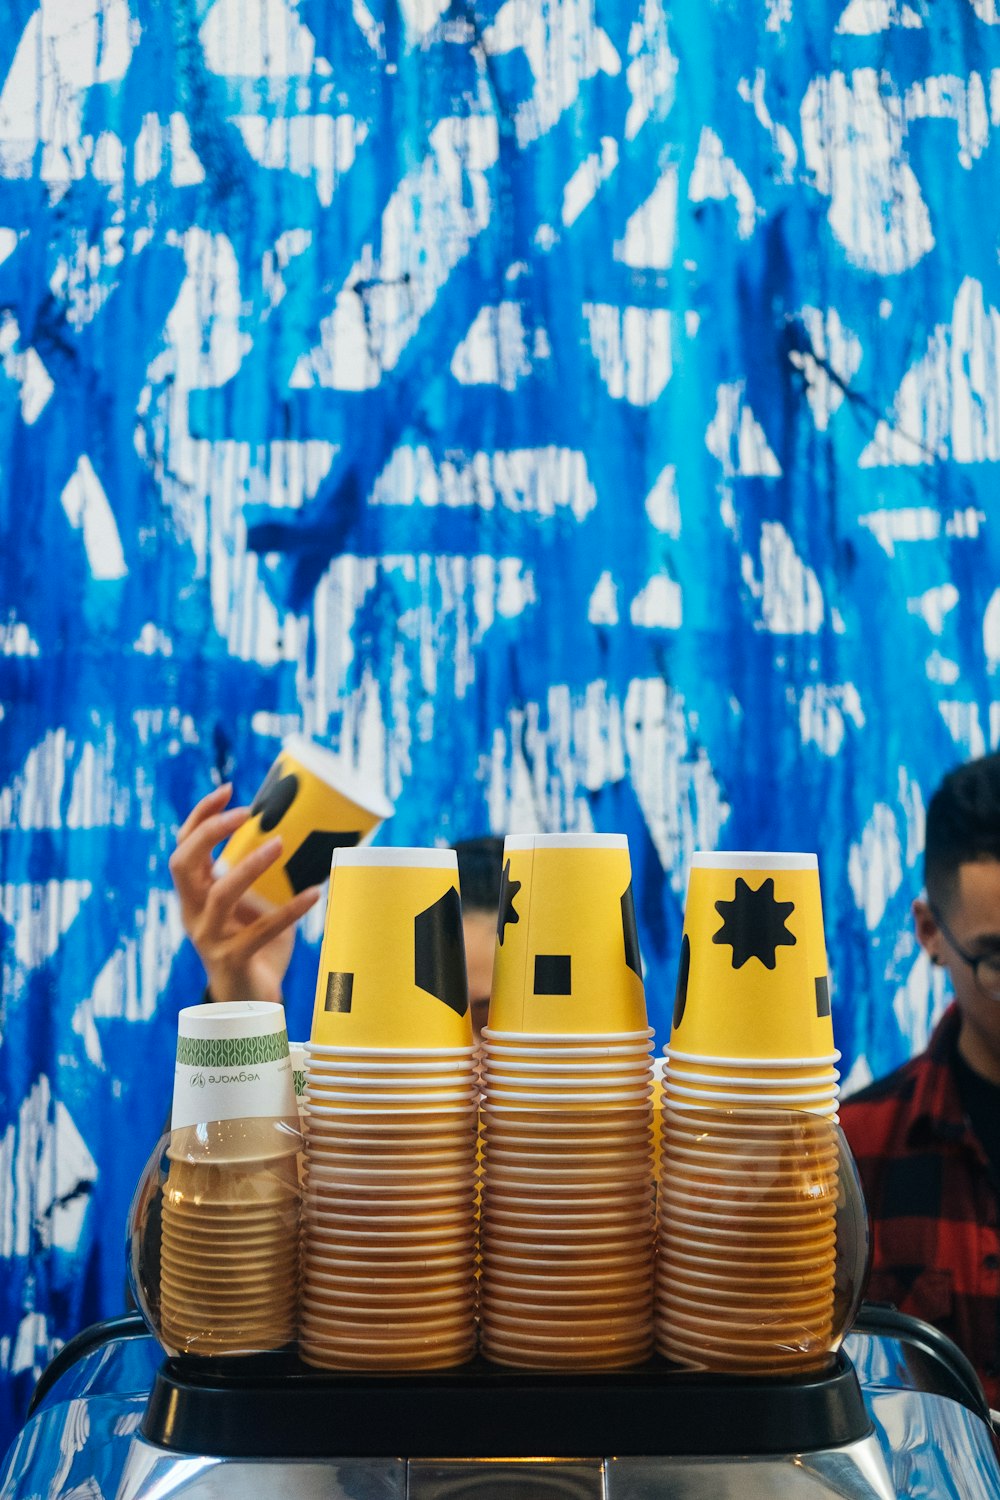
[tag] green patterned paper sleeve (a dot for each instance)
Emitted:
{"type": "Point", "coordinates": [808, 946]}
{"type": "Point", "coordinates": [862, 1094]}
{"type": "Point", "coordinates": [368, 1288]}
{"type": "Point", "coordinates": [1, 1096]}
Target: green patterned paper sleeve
{"type": "Point", "coordinates": [231, 1052]}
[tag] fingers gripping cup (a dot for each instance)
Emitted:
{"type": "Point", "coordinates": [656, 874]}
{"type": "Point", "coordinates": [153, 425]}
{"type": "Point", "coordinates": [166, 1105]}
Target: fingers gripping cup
{"type": "Point", "coordinates": [567, 953]}
{"type": "Point", "coordinates": [392, 966]}
{"type": "Point", "coordinates": [317, 803]}
{"type": "Point", "coordinates": [752, 980]}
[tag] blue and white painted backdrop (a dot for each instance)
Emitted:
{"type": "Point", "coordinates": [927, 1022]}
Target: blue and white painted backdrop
{"type": "Point", "coordinates": [585, 412]}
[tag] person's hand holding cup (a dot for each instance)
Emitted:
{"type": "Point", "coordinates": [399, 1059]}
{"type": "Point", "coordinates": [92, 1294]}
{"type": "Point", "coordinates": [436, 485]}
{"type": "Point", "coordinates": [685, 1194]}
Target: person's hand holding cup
{"type": "Point", "coordinates": [241, 910]}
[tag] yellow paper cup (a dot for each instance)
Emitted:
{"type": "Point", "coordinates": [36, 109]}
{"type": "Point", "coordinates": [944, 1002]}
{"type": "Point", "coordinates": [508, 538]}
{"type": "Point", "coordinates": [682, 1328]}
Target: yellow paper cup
{"type": "Point", "coordinates": [316, 802]}
{"type": "Point", "coordinates": [752, 980]}
{"type": "Point", "coordinates": [567, 956]}
{"type": "Point", "coordinates": [392, 966]}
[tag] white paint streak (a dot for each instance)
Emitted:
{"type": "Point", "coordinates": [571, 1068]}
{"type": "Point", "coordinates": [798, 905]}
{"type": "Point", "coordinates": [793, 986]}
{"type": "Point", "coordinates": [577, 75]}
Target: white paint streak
{"type": "Point", "coordinates": [89, 511]}
{"type": "Point", "coordinates": [632, 348]}
{"type": "Point", "coordinates": [736, 438]}
{"type": "Point", "coordinates": [790, 596]}
{"type": "Point", "coordinates": [824, 709]}
{"type": "Point", "coordinates": [564, 48]}
{"type": "Point", "coordinates": [496, 351]}
{"type": "Point", "coordinates": [853, 138]}
{"type": "Point", "coordinates": [991, 631]}
{"type": "Point", "coordinates": [948, 403]}
{"type": "Point", "coordinates": [320, 147]}
{"type": "Point", "coordinates": [658, 606]}
{"type": "Point", "coordinates": [16, 640]}
{"type": "Point", "coordinates": [25, 367]}
{"type": "Point", "coordinates": [651, 72]}
{"type": "Point", "coordinates": [962, 719]}
{"type": "Point", "coordinates": [831, 363]}
{"type": "Point", "coordinates": [651, 232]}
{"type": "Point", "coordinates": [41, 915]}
{"type": "Point", "coordinates": [585, 183]}
{"type": "Point", "coordinates": [531, 481]}
{"type": "Point", "coordinates": [934, 605]}
{"type": "Point", "coordinates": [33, 798]}
{"type": "Point", "coordinates": [910, 523]}
{"type": "Point", "coordinates": [663, 508]}
{"type": "Point", "coordinates": [874, 865]}
{"type": "Point", "coordinates": [919, 1003]}
{"type": "Point", "coordinates": [867, 17]}
{"type": "Point", "coordinates": [84, 280]}
{"type": "Point", "coordinates": [948, 97]}
{"type": "Point", "coordinates": [257, 39]}
{"type": "Point", "coordinates": [716, 176]}
{"type": "Point", "coordinates": [428, 225]}
{"type": "Point", "coordinates": [135, 975]}
{"type": "Point", "coordinates": [43, 1159]}
{"type": "Point", "coordinates": [67, 47]}
{"type": "Point", "coordinates": [602, 608]}
{"type": "Point", "coordinates": [549, 755]}
{"type": "Point", "coordinates": [781, 137]}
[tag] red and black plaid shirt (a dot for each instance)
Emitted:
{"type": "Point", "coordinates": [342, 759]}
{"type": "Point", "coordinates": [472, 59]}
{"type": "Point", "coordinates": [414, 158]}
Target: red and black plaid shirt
{"type": "Point", "coordinates": [933, 1201]}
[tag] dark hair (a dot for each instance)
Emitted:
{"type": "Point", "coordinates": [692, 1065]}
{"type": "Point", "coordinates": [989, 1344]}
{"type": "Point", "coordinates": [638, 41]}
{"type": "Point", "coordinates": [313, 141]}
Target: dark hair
{"type": "Point", "coordinates": [963, 825]}
{"type": "Point", "coordinates": [479, 862]}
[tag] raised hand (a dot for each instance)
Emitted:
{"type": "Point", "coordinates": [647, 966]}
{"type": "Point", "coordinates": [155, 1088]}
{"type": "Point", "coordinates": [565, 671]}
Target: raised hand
{"type": "Point", "coordinates": [246, 952]}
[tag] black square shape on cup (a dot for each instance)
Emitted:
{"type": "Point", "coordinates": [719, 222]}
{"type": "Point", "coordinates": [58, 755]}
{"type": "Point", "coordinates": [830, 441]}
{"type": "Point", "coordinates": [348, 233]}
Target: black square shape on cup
{"type": "Point", "coordinates": [552, 974]}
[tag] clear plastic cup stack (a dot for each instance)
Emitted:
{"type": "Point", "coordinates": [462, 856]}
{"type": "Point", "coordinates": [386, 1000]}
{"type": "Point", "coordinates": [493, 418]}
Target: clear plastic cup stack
{"type": "Point", "coordinates": [228, 1264]}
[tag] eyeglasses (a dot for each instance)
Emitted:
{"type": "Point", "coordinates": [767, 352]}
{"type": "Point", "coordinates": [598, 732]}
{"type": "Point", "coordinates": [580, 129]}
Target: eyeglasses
{"type": "Point", "coordinates": [985, 966]}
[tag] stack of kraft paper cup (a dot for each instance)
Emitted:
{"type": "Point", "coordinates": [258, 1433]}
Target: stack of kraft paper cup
{"type": "Point", "coordinates": [389, 1231]}
{"type": "Point", "coordinates": [230, 1212]}
{"type": "Point", "coordinates": [751, 1156]}
{"type": "Point", "coordinates": [567, 1227]}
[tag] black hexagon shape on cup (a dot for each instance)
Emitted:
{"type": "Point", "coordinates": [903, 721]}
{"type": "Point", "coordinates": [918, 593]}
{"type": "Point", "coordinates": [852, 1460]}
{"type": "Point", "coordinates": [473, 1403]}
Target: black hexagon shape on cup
{"type": "Point", "coordinates": [310, 864]}
{"type": "Point", "coordinates": [439, 952]}
{"type": "Point", "coordinates": [275, 797]}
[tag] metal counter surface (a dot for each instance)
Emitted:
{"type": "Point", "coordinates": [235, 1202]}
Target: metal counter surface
{"type": "Point", "coordinates": [83, 1444]}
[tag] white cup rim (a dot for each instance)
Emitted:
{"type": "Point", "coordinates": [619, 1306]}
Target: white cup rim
{"type": "Point", "coordinates": [517, 1062]}
{"type": "Point", "coordinates": [448, 1097]}
{"type": "Point", "coordinates": [325, 1050]}
{"type": "Point", "coordinates": [574, 1038]}
{"type": "Point", "coordinates": [336, 771]}
{"type": "Point", "coordinates": [231, 1018]}
{"type": "Point", "coordinates": [764, 1084]}
{"type": "Point", "coordinates": [391, 1068]}
{"type": "Point", "coordinates": [612, 1055]}
{"type": "Point", "coordinates": [520, 842]}
{"type": "Point", "coordinates": [811, 1096]}
{"type": "Point", "coordinates": [749, 1062]}
{"type": "Point", "coordinates": [752, 859]}
{"type": "Point", "coordinates": [382, 856]}
{"type": "Point", "coordinates": [576, 1078]}
{"type": "Point", "coordinates": [597, 1096]}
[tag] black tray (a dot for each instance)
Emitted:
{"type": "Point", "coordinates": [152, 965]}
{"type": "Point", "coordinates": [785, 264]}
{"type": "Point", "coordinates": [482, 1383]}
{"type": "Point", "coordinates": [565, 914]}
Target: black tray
{"type": "Point", "coordinates": [276, 1407]}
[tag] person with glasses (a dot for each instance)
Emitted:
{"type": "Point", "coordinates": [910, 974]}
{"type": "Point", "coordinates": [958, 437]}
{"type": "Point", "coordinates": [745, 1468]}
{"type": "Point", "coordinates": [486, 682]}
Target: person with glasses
{"type": "Point", "coordinates": [927, 1137]}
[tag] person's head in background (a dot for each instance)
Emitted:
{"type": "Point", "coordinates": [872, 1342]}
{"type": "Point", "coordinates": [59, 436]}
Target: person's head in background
{"type": "Point", "coordinates": [479, 864]}
{"type": "Point", "coordinates": [958, 921]}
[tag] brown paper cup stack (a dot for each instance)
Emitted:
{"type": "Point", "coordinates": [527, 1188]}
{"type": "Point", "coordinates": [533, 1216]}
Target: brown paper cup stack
{"type": "Point", "coordinates": [389, 1232]}
{"type": "Point", "coordinates": [316, 802]}
{"type": "Point", "coordinates": [230, 1218]}
{"type": "Point", "coordinates": [567, 1197]}
{"type": "Point", "coordinates": [749, 1173]}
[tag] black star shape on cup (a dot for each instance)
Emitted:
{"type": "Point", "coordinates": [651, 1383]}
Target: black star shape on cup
{"type": "Point", "coordinates": [508, 890]}
{"type": "Point", "coordinates": [753, 924]}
